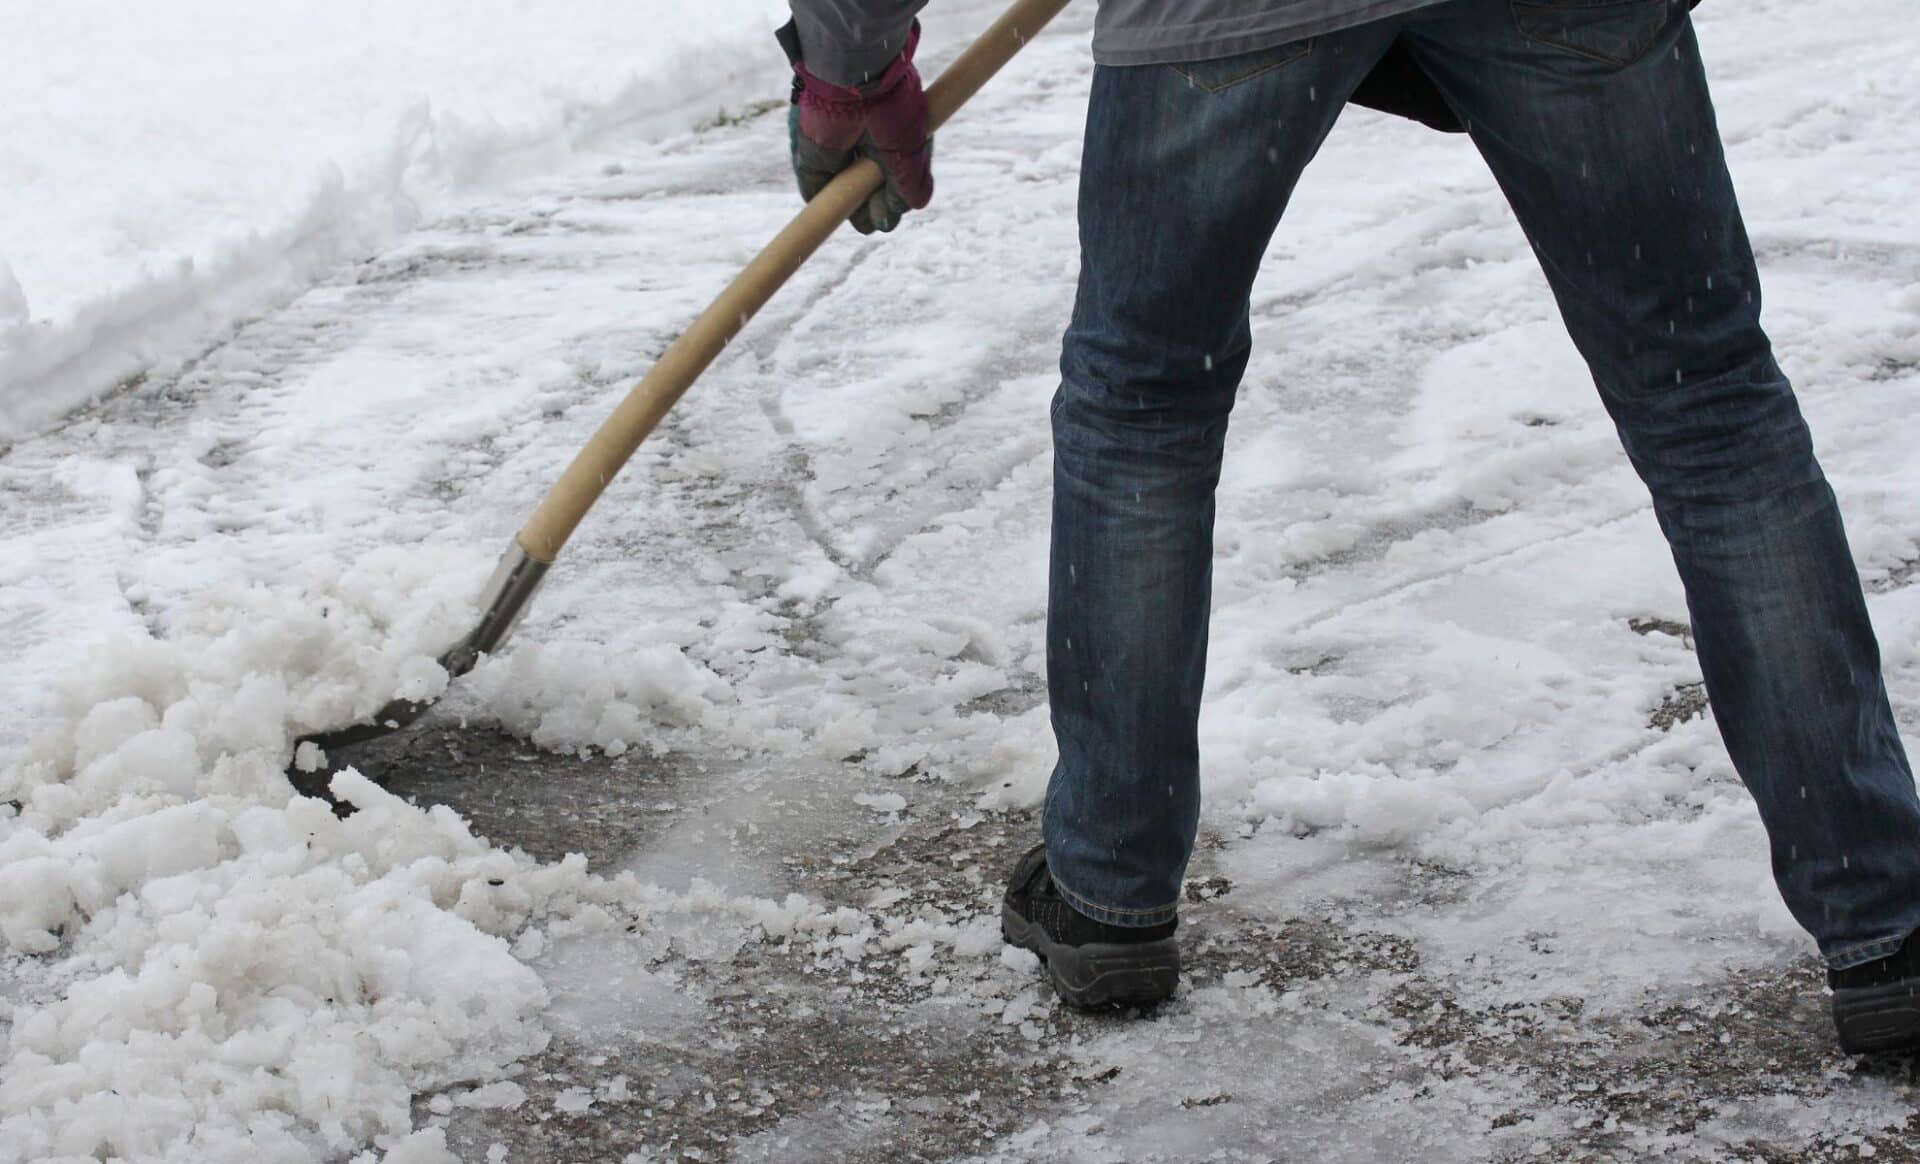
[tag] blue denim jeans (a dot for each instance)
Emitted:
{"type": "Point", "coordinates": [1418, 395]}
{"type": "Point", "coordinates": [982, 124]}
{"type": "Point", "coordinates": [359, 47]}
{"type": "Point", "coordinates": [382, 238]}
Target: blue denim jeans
{"type": "Point", "coordinates": [1596, 121]}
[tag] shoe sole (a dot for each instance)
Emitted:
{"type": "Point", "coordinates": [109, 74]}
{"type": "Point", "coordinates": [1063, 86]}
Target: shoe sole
{"type": "Point", "coordinates": [1098, 975]}
{"type": "Point", "coordinates": [1874, 1019]}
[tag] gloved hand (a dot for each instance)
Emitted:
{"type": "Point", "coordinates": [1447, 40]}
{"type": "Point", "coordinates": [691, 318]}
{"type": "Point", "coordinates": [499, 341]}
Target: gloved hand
{"type": "Point", "coordinates": [885, 119]}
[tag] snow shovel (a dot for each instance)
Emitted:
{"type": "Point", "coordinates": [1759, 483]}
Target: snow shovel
{"type": "Point", "coordinates": [539, 542]}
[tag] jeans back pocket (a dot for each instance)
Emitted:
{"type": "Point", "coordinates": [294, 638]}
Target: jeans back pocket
{"type": "Point", "coordinates": [1223, 73]}
{"type": "Point", "coordinates": [1613, 32]}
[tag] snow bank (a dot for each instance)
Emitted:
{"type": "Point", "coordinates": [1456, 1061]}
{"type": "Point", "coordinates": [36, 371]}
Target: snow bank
{"type": "Point", "coordinates": [168, 170]}
{"type": "Point", "coordinates": [236, 974]}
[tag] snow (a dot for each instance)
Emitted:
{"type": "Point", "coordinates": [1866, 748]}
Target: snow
{"type": "Point", "coordinates": [244, 972]}
{"type": "Point", "coordinates": [204, 160]}
{"type": "Point", "coordinates": [881, 802]}
{"type": "Point", "coordinates": [815, 600]}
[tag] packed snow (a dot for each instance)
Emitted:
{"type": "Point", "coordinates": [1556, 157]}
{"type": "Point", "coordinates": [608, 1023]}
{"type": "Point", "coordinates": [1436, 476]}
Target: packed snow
{"type": "Point", "coordinates": [1456, 768]}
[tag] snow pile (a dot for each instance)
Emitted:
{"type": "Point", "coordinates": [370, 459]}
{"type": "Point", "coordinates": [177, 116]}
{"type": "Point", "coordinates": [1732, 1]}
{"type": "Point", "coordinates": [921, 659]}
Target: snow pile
{"type": "Point", "coordinates": [564, 695]}
{"type": "Point", "coordinates": [274, 964]}
{"type": "Point", "coordinates": [171, 169]}
{"type": "Point", "coordinates": [239, 973]}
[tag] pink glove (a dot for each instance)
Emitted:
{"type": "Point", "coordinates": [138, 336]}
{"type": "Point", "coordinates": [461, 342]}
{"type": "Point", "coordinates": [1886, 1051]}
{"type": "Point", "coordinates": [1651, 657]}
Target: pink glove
{"type": "Point", "coordinates": [885, 119]}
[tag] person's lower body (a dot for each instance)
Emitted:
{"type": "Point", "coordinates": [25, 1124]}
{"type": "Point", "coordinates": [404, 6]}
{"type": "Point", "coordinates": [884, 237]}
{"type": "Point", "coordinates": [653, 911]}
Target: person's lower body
{"type": "Point", "coordinates": [1597, 123]}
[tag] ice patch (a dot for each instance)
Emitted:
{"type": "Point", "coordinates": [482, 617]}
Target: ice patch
{"type": "Point", "coordinates": [599, 987]}
{"type": "Point", "coordinates": [881, 802]}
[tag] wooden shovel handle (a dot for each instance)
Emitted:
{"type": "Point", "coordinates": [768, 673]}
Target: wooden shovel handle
{"type": "Point", "coordinates": [688, 356]}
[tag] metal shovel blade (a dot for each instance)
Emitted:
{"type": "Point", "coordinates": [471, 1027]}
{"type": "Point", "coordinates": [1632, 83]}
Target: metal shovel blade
{"type": "Point", "coordinates": [508, 594]}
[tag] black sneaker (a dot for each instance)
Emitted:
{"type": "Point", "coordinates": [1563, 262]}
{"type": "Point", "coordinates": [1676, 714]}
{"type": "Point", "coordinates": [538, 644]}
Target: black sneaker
{"type": "Point", "coordinates": [1091, 964]}
{"type": "Point", "coordinates": [1877, 1006]}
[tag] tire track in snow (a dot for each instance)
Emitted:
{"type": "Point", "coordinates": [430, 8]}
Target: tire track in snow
{"type": "Point", "coordinates": [799, 461]}
{"type": "Point", "coordinates": [1427, 578]}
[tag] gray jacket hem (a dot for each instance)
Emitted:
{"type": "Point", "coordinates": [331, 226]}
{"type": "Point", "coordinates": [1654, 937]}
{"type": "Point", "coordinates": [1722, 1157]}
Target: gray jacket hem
{"type": "Point", "coordinates": [1223, 38]}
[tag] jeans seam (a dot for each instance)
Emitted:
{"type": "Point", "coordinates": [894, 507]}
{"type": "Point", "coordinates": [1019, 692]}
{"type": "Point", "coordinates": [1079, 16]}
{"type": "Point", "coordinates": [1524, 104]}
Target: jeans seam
{"type": "Point", "coordinates": [1306, 46]}
{"type": "Point", "coordinates": [1514, 6]}
{"type": "Point", "coordinates": [1873, 950]}
{"type": "Point", "coordinates": [1079, 901]}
